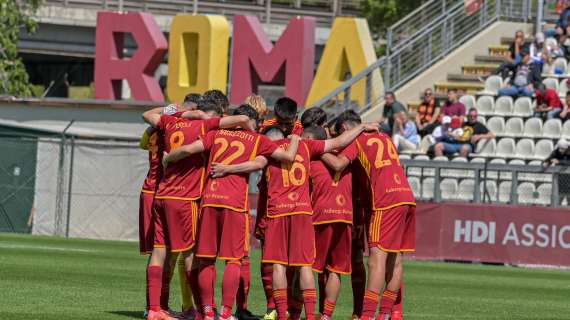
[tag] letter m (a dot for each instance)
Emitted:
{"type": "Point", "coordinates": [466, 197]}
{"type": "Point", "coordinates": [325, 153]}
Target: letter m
{"type": "Point", "coordinates": [255, 60]}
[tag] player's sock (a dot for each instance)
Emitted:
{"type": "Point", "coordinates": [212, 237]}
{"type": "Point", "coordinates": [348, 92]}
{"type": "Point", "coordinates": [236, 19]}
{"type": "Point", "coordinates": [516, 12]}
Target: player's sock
{"type": "Point", "coordinates": [399, 304]}
{"type": "Point", "coordinates": [192, 278]}
{"type": "Point", "coordinates": [280, 298]}
{"type": "Point", "coordinates": [206, 281]}
{"type": "Point", "coordinates": [295, 306]}
{"type": "Point", "coordinates": [387, 301]}
{"type": "Point", "coordinates": [322, 281]}
{"type": "Point", "coordinates": [310, 300]}
{"type": "Point", "coordinates": [370, 304]}
{"type": "Point", "coordinates": [243, 290]}
{"type": "Point", "coordinates": [267, 281]}
{"type": "Point", "coordinates": [165, 290]}
{"type": "Point", "coordinates": [358, 278]}
{"type": "Point", "coordinates": [154, 284]}
{"type": "Point", "coordinates": [329, 308]}
{"type": "Point", "coordinates": [185, 292]}
{"type": "Point", "coordinates": [230, 284]}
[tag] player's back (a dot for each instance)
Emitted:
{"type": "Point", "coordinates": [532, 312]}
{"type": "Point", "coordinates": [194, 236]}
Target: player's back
{"type": "Point", "coordinates": [381, 162]}
{"type": "Point", "coordinates": [331, 195]}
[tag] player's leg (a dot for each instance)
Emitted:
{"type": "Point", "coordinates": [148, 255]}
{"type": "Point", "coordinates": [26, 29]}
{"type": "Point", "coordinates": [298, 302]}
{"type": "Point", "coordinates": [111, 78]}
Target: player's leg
{"type": "Point", "coordinates": [331, 293]}
{"type": "Point", "coordinates": [302, 253]}
{"type": "Point", "coordinates": [146, 230]}
{"type": "Point", "coordinates": [398, 309]}
{"type": "Point", "coordinates": [170, 265]}
{"type": "Point", "coordinates": [393, 282]}
{"type": "Point", "coordinates": [294, 293]}
{"type": "Point", "coordinates": [323, 235]}
{"type": "Point", "coordinates": [322, 283]}
{"type": "Point", "coordinates": [275, 253]}
{"type": "Point", "coordinates": [243, 312]}
{"type": "Point", "coordinates": [185, 269]}
{"type": "Point", "coordinates": [266, 270]}
{"type": "Point", "coordinates": [280, 290]}
{"type": "Point", "coordinates": [358, 280]}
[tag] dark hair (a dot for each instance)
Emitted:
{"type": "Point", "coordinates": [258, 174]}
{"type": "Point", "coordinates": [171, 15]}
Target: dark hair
{"type": "Point", "coordinates": [219, 97]}
{"type": "Point", "coordinates": [193, 97]}
{"type": "Point", "coordinates": [313, 117]}
{"type": "Point", "coordinates": [246, 110]}
{"type": "Point", "coordinates": [472, 109]}
{"type": "Point", "coordinates": [568, 93]}
{"type": "Point", "coordinates": [348, 116]}
{"type": "Point", "coordinates": [390, 93]}
{"type": "Point", "coordinates": [318, 133]}
{"type": "Point", "coordinates": [454, 90]}
{"type": "Point", "coordinates": [541, 87]}
{"type": "Point", "coordinates": [273, 129]}
{"type": "Point", "coordinates": [210, 106]}
{"type": "Point", "coordinates": [285, 108]}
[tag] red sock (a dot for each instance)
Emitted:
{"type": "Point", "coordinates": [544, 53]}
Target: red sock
{"type": "Point", "coordinates": [295, 306]}
{"type": "Point", "coordinates": [322, 280]}
{"type": "Point", "coordinates": [399, 304]}
{"type": "Point", "coordinates": [358, 287]}
{"type": "Point", "coordinates": [230, 285]}
{"type": "Point", "coordinates": [153, 284]}
{"type": "Point", "coordinates": [280, 298]}
{"type": "Point", "coordinates": [243, 290]}
{"type": "Point", "coordinates": [165, 290]}
{"type": "Point", "coordinates": [329, 308]}
{"type": "Point", "coordinates": [370, 304]}
{"type": "Point", "coordinates": [147, 297]}
{"type": "Point", "coordinates": [310, 300]}
{"type": "Point", "coordinates": [192, 277]}
{"type": "Point", "coordinates": [267, 281]}
{"type": "Point", "coordinates": [207, 283]}
{"type": "Point", "coordinates": [387, 302]}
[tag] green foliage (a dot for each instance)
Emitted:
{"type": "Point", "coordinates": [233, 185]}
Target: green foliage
{"type": "Point", "coordinates": [383, 13]}
{"type": "Point", "coordinates": [15, 15]}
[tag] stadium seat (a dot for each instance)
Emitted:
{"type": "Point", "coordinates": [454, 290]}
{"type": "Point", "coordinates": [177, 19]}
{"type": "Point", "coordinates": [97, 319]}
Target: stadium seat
{"type": "Point", "coordinates": [525, 192]}
{"type": "Point", "coordinates": [466, 190]}
{"type": "Point", "coordinates": [496, 125]}
{"type": "Point", "coordinates": [441, 158]}
{"type": "Point", "coordinates": [493, 174]}
{"type": "Point", "coordinates": [504, 106]}
{"type": "Point", "coordinates": [478, 160]}
{"type": "Point", "coordinates": [486, 148]}
{"type": "Point", "coordinates": [468, 100]}
{"type": "Point", "coordinates": [492, 85]}
{"type": "Point", "coordinates": [448, 189]}
{"type": "Point", "coordinates": [482, 120]}
{"type": "Point", "coordinates": [405, 157]}
{"type": "Point", "coordinates": [505, 191]}
{"type": "Point", "coordinates": [525, 149]}
{"type": "Point", "coordinates": [457, 173]}
{"type": "Point", "coordinates": [491, 190]}
{"type": "Point", "coordinates": [426, 142]}
{"type": "Point", "coordinates": [552, 129]}
{"type": "Point", "coordinates": [485, 105]}
{"type": "Point", "coordinates": [566, 130]}
{"type": "Point", "coordinates": [563, 88]}
{"type": "Point", "coordinates": [533, 128]}
{"type": "Point", "coordinates": [427, 188]}
{"type": "Point", "coordinates": [415, 185]}
{"type": "Point", "coordinates": [536, 177]}
{"type": "Point", "coordinates": [543, 149]}
{"type": "Point", "coordinates": [417, 171]}
{"type": "Point", "coordinates": [544, 194]}
{"type": "Point", "coordinates": [505, 148]}
{"type": "Point", "coordinates": [514, 127]}
{"type": "Point", "coordinates": [523, 107]}
{"type": "Point", "coordinates": [551, 83]}
{"type": "Point", "coordinates": [551, 42]}
{"type": "Point", "coordinates": [560, 63]}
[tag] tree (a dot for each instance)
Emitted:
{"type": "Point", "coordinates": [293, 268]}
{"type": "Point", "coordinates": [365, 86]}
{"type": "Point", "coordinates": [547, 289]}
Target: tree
{"type": "Point", "coordinates": [381, 14]}
{"type": "Point", "coordinates": [16, 15]}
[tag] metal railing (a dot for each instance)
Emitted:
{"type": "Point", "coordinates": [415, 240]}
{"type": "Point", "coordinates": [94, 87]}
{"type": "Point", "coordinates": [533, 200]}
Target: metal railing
{"type": "Point", "coordinates": [422, 38]}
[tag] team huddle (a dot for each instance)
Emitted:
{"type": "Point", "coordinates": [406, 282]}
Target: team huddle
{"type": "Point", "coordinates": [328, 193]}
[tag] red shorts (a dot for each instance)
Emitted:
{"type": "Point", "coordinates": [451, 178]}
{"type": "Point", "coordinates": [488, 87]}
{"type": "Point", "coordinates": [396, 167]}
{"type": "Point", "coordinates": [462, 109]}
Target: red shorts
{"type": "Point", "coordinates": [290, 240]}
{"type": "Point", "coordinates": [146, 222]}
{"type": "Point", "coordinates": [334, 247]}
{"type": "Point", "coordinates": [224, 234]}
{"type": "Point", "coordinates": [175, 223]}
{"type": "Point", "coordinates": [394, 229]}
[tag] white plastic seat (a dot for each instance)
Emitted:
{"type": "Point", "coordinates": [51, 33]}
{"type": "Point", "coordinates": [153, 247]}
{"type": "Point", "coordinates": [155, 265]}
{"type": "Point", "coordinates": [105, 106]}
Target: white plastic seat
{"type": "Point", "coordinates": [441, 158]}
{"type": "Point", "coordinates": [566, 130]}
{"type": "Point", "coordinates": [457, 173]}
{"type": "Point", "coordinates": [415, 185]}
{"type": "Point", "coordinates": [514, 127]}
{"type": "Point", "coordinates": [543, 149]}
{"type": "Point", "coordinates": [485, 105]}
{"type": "Point", "coordinates": [466, 190]}
{"type": "Point", "coordinates": [478, 160]}
{"type": "Point", "coordinates": [448, 189]}
{"type": "Point", "coordinates": [405, 157]}
{"type": "Point", "coordinates": [486, 148]}
{"type": "Point", "coordinates": [427, 188]}
{"type": "Point", "coordinates": [496, 125]}
{"type": "Point", "coordinates": [482, 120]}
{"type": "Point", "coordinates": [552, 129]}
{"type": "Point", "coordinates": [493, 174]}
{"type": "Point", "coordinates": [523, 107]}
{"type": "Point", "coordinates": [544, 194]}
{"type": "Point", "coordinates": [420, 171]}
{"type": "Point", "coordinates": [492, 190]}
{"type": "Point", "coordinates": [550, 42]}
{"type": "Point", "coordinates": [533, 128]}
{"type": "Point", "coordinates": [551, 83]}
{"type": "Point", "coordinates": [468, 100]}
{"type": "Point", "coordinates": [493, 84]}
{"type": "Point", "coordinates": [505, 148]}
{"type": "Point", "coordinates": [563, 88]}
{"type": "Point", "coordinates": [504, 106]}
{"type": "Point", "coordinates": [505, 191]}
{"type": "Point", "coordinates": [525, 149]}
{"type": "Point", "coordinates": [562, 64]}
{"type": "Point", "coordinates": [525, 191]}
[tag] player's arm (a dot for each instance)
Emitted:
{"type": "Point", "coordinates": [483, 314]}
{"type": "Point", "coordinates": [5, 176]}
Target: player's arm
{"type": "Point", "coordinates": [348, 136]}
{"type": "Point", "coordinates": [143, 143]}
{"type": "Point", "coordinates": [195, 115]}
{"type": "Point", "coordinates": [220, 170]}
{"type": "Point", "coordinates": [287, 155]}
{"type": "Point", "coordinates": [183, 152]}
{"type": "Point", "coordinates": [337, 163]}
{"type": "Point", "coordinates": [152, 116]}
{"type": "Point", "coordinates": [236, 121]}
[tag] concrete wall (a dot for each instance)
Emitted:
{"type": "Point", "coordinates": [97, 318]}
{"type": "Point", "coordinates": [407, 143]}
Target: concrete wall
{"type": "Point", "coordinates": [453, 62]}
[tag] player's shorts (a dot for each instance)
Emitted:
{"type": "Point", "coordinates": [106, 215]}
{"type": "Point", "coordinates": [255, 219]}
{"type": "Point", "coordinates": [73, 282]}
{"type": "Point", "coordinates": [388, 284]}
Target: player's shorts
{"type": "Point", "coordinates": [290, 241]}
{"type": "Point", "coordinates": [334, 248]}
{"type": "Point", "coordinates": [146, 222]}
{"type": "Point", "coordinates": [260, 226]}
{"type": "Point", "coordinates": [181, 220]}
{"type": "Point", "coordinates": [250, 228]}
{"type": "Point", "coordinates": [224, 234]}
{"type": "Point", "coordinates": [394, 229]}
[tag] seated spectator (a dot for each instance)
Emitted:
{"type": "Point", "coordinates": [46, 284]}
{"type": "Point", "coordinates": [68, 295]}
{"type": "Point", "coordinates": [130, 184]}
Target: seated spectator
{"type": "Point", "coordinates": [464, 139]}
{"type": "Point", "coordinates": [447, 137]}
{"type": "Point", "coordinates": [537, 49]}
{"type": "Point", "coordinates": [391, 107]}
{"type": "Point", "coordinates": [453, 107]}
{"type": "Point", "coordinates": [527, 75]}
{"type": "Point", "coordinates": [515, 57]}
{"type": "Point", "coordinates": [428, 114]}
{"type": "Point", "coordinates": [405, 133]}
{"type": "Point", "coordinates": [561, 24]}
{"type": "Point", "coordinates": [548, 104]}
{"type": "Point", "coordinates": [560, 157]}
{"type": "Point", "coordinates": [565, 114]}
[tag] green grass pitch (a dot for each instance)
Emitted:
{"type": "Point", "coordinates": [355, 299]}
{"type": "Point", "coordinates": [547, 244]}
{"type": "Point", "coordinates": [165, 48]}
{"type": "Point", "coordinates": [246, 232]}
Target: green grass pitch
{"type": "Point", "coordinates": [56, 278]}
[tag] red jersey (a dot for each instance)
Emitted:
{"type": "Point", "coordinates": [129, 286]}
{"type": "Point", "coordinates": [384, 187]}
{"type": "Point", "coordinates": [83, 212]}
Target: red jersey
{"type": "Point", "coordinates": [155, 148]}
{"type": "Point", "coordinates": [297, 128]}
{"type": "Point", "coordinates": [231, 147]}
{"type": "Point", "coordinates": [287, 184]}
{"type": "Point", "coordinates": [388, 182]}
{"type": "Point", "coordinates": [332, 191]}
{"type": "Point", "coordinates": [184, 179]}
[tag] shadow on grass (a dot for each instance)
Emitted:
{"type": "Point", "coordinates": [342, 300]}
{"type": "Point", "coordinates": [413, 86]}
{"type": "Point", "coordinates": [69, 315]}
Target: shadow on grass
{"type": "Point", "coordinates": [128, 314]}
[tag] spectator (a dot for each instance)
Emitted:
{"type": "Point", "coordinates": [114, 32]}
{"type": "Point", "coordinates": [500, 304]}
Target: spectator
{"type": "Point", "coordinates": [428, 113]}
{"type": "Point", "coordinates": [447, 137]}
{"type": "Point", "coordinates": [464, 139]}
{"type": "Point", "coordinates": [561, 25]}
{"type": "Point", "coordinates": [391, 107]}
{"type": "Point", "coordinates": [515, 57]}
{"type": "Point", "coordinates": [405, 133]}
{"type": "Point", "coordinates": [537, 49]}
{"type": "Point", "coordinates": [565, 114]}
{"type": "Point", "coordinates": [527, 75]}
{"type": "Point", "coordinates": [548, 104]}
{"type": "Point", "coordinates": [560, 156]}
{"type": "Point", "coordinates": [453, 107]}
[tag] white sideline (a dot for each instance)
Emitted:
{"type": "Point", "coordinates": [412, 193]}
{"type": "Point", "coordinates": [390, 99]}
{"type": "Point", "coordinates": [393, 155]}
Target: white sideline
{"type": "Point", "coordinates": [34, 247]}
